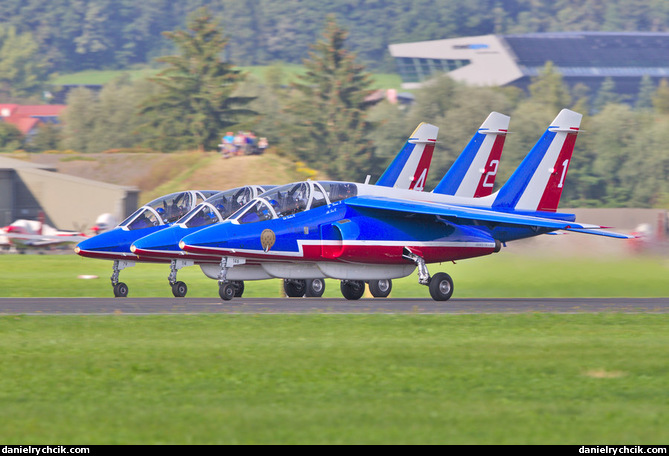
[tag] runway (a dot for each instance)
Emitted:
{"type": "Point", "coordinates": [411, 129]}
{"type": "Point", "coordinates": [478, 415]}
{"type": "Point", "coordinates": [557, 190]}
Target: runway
{"type": "Point", "coordinates": [157, 306]}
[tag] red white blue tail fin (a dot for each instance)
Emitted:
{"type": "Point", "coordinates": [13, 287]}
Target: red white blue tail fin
{"type": "Point", "coordinates": [538, 182]}
{"type": "Point", "coordinates": [410, 167]}
{"type": "Point", "coordinates": [473, 174]}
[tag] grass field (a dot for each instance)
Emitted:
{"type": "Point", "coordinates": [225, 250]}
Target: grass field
{"type": "Point", "coordinates": [290, 71]}
{"type": "Point", "coordinates": [333, 379]}
{"type": "Point", "coordinates": [502, 275]}
{"type": "Point", "coordinates": [338, 379]}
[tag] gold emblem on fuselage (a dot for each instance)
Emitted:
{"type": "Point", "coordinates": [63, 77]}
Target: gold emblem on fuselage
{"type": "Point", "coordinates": [267, 239]}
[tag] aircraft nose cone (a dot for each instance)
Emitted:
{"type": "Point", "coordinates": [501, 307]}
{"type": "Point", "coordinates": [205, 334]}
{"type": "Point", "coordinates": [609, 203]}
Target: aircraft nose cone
{"type": "Point", "coordinates": [206, 240]}
{"type": "Point", "coordinates": [164, 241]}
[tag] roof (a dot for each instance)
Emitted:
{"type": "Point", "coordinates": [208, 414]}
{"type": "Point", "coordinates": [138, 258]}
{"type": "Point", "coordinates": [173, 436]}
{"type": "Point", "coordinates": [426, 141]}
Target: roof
{"type": "Point", "coordinates": [506, 59]}
{"type": "Point", "coordinates": [26, 117]}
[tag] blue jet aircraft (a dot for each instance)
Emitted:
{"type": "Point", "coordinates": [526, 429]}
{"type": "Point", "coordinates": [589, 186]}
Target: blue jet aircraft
{"type": "Point", "coordinates": [153, 216]}
{"type": "Point", "coordinates": [358, 233]}
{"type": "Point", "coordinates": [471, 175]}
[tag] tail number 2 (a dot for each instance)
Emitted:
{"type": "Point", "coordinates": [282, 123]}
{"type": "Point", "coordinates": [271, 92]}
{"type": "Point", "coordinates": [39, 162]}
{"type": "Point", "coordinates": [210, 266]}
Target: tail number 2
{"type": "Point", "coordinates": [489, 180]}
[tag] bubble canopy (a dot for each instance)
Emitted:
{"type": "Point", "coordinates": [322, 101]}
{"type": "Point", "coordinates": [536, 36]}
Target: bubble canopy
{"type": "Point", "coordinates": [221, 205]}
{"type": "Point", "coordinates": [166, 209]}
{"type": "Point", "coordinates": [292, 198]}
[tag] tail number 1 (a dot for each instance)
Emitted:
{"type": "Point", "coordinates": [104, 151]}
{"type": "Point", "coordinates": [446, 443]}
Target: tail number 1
{"type": "Point", "coordinates": [565, 165]}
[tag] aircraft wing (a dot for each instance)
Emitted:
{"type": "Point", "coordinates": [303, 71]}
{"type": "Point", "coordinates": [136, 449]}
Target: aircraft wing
{"type": "Point", "coordinates": [463, 213]}
{"type": "Point", "coordinates": [41, 240]}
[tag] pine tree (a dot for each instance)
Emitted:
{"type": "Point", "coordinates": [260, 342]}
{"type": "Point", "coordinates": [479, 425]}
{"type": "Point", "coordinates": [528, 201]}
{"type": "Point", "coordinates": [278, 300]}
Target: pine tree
{"type": "Point", "coordinates": [196, 103]}
{"type": "Point", "coordinates": [330, 110]}
{"type": "Point", "coordinates": [661, 98]}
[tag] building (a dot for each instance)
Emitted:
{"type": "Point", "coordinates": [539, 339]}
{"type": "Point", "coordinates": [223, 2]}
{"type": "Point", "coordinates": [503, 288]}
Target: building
{"type": "Point", "coordinates": [500, 60]}
{"type": "Point", "coordinates": [27, 117]}
{"type": "Point", "coordinates": [67, 202]}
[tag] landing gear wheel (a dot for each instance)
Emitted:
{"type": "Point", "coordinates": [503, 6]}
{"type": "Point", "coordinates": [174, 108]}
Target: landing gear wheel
{"type": "Point", "coordinates": [179, 289]}
{"type": "Point", "coordinates": [352, 289]}
{"type": "Point", "coordinates": [380, 288]}
{"type": "Point", "coordinates": [294, 288]}
{"type": "Point", "coordinates": [441, 287]}
{"type": "Point", "coordinates": [120, 290]}
{"type": "Point", "coordinates": [226, 291]}
{"type": "Point", "coordinates": [315, 288]}
{"type": "Point", "coordinates": [239, 288]}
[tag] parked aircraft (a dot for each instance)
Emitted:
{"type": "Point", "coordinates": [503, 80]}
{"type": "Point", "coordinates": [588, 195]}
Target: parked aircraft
{"type": "Point", "coordinates": [153, 216]}
{"type": "Point", "coordinates": [25, 234]}
{"type": "Point", "coordinates": [358, 232]}
{"type": "Point", "coordinates": [408, 170]}
{"type": "Point", "coordinates": [472, 174]}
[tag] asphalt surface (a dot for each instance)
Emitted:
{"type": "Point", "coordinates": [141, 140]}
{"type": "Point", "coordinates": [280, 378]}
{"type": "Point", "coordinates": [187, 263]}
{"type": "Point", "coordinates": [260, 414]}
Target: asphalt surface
{"type": "Point", "coordinates": [154, 306]}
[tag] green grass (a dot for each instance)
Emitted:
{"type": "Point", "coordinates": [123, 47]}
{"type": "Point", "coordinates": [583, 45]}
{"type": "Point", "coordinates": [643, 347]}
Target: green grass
{"type": "Point", "coordinates": [380, 80]}
{"type": "Point", "coordinates": [335, 379]}
{"type": "Point", "coordinates": [502, 275]}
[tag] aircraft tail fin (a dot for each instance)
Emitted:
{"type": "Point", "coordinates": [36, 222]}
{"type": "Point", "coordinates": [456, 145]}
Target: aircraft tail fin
{"type": "Point", "coordinates": [410, 167]}
{"type": "Point", "coordinates": [537, 183]}
{"type": "Point", "coordinates": [473, 173]}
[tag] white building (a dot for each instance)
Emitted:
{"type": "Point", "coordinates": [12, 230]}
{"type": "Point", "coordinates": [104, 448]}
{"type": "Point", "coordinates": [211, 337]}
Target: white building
{"type": "Point", "coordinates": [498, 60]}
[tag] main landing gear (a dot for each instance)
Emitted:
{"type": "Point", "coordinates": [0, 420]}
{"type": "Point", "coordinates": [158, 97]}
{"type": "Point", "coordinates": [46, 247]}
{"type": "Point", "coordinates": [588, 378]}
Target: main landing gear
{"type": "Point", "coordinates": [297, 288]}
{"type": "Point", "coordinates": [120, 288]}
{"type": "Point", "coordinates": [440, 285]}
{"type": "Point", "coordinates": [354, 289]}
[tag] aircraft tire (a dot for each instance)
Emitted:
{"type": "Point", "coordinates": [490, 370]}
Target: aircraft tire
{"type": "Point", "coordinates": [441, 287]}
{"type": "Point", "coordinates": [380, 288]}
{"type": "Point", "coordinates": [294, 288]}
{"type": "Point", "coordinates": [179, 289]}
{"type": "Point", "coordinates": [315, 288]}
{"type": "Point", "coordinates": [226, 291]}
{"type": "Point", "coordinates": [120, 290]}
{"type": "Point", "coordinates": [239, 288]}
{"type": "Point", "coordinates": [352, 289]}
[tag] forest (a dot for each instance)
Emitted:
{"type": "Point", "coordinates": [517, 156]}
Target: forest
{"type": "Point", "coordinates": [324, 118]}
{"type": "Point", "coordinates": [73, 35]}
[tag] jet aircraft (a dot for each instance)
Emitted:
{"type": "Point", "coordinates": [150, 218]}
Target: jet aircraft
{"type": "Point", "coordinates": [408, 170]}
{"type": "Point", "coordinates": [153, 216]}
{"type": "Point", "coordinates": [358, 232]}
{"type": "Point", "coordinates": [472, 174]}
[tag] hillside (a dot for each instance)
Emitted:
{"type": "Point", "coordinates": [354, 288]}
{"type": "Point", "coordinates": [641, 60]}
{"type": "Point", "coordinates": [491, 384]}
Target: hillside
{"type": "Point", "coordinates": [157, 174]}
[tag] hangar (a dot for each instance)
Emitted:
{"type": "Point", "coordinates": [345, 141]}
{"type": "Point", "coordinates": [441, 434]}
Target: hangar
{"type": "Point", "coordinates": [499, 60]}
{"type": "Point", "coordinates": [28, 190]}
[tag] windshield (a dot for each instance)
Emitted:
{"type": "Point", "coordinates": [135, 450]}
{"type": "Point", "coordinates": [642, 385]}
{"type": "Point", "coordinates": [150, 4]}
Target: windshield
{"type": "Point", "coordinates": [166, 209]}
{"type": "Point", "coordinates": [220, 206]}
{"type": "Point", "coordinates": [293, 198]}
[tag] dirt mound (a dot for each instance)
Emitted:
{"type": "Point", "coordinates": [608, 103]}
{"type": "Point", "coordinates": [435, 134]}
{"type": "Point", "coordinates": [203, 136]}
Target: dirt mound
{"type": "Point", "coordinates": [158, 174]}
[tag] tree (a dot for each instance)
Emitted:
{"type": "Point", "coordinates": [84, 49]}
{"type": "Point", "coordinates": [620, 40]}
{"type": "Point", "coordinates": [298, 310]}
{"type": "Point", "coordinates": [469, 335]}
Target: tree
{"type": "Point", "coordinates": [646, 90]}
{"type": "Point", "coordinates": [21, 70]}
{"type": "Point", "coordinates": [330, 109]}
{"type": "Point", "coordinates": [661, 98]}
{"type": "Point", "coordinates": [549, 88]}
{"type": "Point", "coordinates": [196, 102]}
{"type": "Point", "coordinates": [606, 95]}
{"type": "Point", "coordinates": [11, 138]}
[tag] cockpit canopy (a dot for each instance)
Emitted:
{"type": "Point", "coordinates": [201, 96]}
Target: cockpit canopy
{"type": "Point", "coordinates": [220, 206]}
{"type": "Point", "coordinates": [293, 198]}
{"type": "Point", "coordinates": [166, 209]}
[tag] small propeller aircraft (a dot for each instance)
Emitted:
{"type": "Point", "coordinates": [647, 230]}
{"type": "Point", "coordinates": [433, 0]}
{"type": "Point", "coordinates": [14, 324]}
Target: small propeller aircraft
{"type": "Point", "coordinates": [472, 174]}
{"type": "Point", "coordinates": [156, 215]}
{"type": "Point", "coordinates": [361, 233]}
{"type": "Point", "coordinates": [25, 234]}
